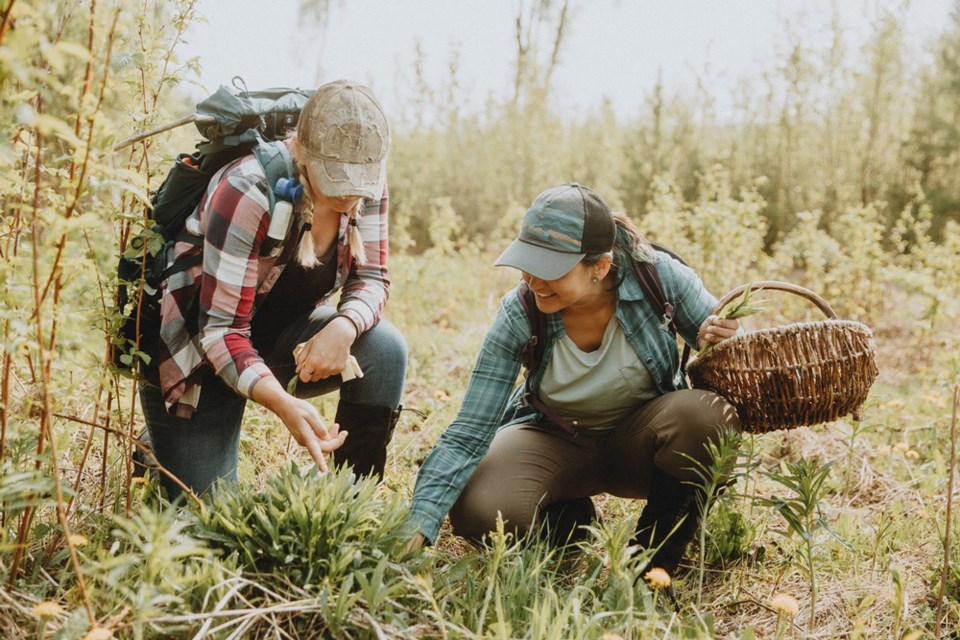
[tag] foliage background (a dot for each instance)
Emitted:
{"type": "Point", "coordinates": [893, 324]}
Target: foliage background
{"type": "Point", "coordinates": [838, 171]}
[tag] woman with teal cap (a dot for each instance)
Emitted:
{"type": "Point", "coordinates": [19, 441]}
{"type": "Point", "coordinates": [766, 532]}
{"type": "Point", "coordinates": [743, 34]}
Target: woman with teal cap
{"type": "Point", "coordinates": [609, 373]}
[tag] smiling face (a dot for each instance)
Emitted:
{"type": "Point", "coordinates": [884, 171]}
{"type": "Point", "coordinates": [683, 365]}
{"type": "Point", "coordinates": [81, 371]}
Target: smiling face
{"type": "Point", "coordinates": [575, 290]}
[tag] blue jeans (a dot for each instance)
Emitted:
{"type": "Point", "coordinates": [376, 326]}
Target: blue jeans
{"type": "Point", "coordinates": [203, 448]}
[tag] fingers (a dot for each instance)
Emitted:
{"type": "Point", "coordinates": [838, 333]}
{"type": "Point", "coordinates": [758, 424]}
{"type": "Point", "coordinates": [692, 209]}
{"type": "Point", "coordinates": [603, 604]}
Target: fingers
{"type": "Point", "coordinates": [312, 443]}
{"type": "Point", "coordinates": [715, 329]}
{"type": "Point", "coordinates": [318, 445]}
{"type": "Point", "coordinates": [320, 441]}
{"type": "Point", "coordinates": [333, 444]}
{"type": "Point", "coordinates": [316, 424]}
{"type": "Point", "coordinates": [313, 369]}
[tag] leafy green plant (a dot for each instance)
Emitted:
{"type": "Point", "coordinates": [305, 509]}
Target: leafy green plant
{"type": "Point", "coordinates": [800, 510]}
{"type": "Point", "coordinates": [153, 564]}
{"type": "Point", "coordinates": [313, 527]}
{"type": "Point", "coordinates": [723, 468]}
{"type": "Point", "coordinates": [730, 534]}
{"type": "Point", "coordinates": [743, 306]}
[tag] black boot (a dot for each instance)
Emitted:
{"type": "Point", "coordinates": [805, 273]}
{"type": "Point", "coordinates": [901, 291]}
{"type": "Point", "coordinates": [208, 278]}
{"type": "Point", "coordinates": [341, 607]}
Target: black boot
{"type": "Point", "coordinates": [669, 521]}
{"type": "Point", "coordinates": [563, 521]}
{"type": "Point", "coordinates": [371, 428]}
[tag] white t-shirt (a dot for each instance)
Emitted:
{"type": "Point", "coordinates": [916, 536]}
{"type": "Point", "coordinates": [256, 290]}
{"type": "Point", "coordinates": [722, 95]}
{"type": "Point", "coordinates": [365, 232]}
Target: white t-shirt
{"type": "Point", "coordinates": [596, 389]}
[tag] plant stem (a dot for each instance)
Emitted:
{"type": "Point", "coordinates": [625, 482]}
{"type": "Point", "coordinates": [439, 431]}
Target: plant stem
{"type": "Point", "coordinates": [946, 536]}
{"type": "Point", "coordinates": [5, 24]}
{"type": "Point", "coordinates": [813, 575]}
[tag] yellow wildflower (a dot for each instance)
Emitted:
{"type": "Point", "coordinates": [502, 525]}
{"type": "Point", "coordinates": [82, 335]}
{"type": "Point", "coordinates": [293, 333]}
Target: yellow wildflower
{"type": "Point", "coordinates": [901, 447]}
{"type": "Point", "coordinates": [47, 609]}
{"type": "Point", "coordinates": [784, 604]}
{"type": "Point", "coordinates": [99, 633]}
{"type": "Point", "coordinates": [138, 480]}
{"type": "Point", "coordinates": [78, 540]}
{"type": "Point", "coordinates": [657, 578]}
{"type": "Point", "coordinates": [912, 455]}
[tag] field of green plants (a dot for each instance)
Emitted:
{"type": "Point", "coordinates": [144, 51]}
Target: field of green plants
{"type": "Point", "coordinates": [839, 172]}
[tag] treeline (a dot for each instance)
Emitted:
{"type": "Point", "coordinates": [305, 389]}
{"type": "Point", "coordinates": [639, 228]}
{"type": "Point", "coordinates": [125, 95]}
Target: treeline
{"type": "Point", "coordinates": [815, 130]}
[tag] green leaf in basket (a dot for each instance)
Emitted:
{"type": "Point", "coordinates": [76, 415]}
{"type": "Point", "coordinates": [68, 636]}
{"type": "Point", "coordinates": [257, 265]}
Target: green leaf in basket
{"type": "Point", "coordinates": [744, 306]}
{"type": "Point", "coordinates": [292, 385]}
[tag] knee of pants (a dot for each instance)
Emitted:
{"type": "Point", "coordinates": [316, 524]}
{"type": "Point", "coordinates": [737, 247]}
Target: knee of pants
{"type": "Point", "coordinates": [385, 344]}
{"type": "Point", "coordinates": [382, 355]}
{"type": "Point", "coordinates": [201, 450]}
{"type": "Point", "coordinates": [697, 424]}
{"type": "Point", "coordinates": [474, 516]}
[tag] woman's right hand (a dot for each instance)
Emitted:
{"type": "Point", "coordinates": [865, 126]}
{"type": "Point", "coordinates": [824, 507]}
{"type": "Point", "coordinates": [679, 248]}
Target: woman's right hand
{"type": "Point", "coordinates": [302, 420]}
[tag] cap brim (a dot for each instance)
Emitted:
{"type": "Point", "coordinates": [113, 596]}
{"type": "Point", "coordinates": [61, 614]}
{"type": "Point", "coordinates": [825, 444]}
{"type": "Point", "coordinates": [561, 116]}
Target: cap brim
{"type": "Point", "coordinates": [340, 179]}
{"type": "Point", "coordinates": [539, 262]}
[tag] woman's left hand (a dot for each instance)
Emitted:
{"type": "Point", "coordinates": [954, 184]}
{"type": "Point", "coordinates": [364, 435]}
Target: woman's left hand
{"type": "Point", "coordinates": [714, 329]}
{"type": "Point", "coordinates": [326, 354]}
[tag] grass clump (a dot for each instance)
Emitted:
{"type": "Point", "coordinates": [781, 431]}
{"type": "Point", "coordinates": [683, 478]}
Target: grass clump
{"type": "Point", "coordinates": [310, 527]}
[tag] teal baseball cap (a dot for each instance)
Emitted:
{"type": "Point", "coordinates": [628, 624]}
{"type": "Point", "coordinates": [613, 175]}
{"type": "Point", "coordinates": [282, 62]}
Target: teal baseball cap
{"type": "Point", "coordinates": [564, 224]}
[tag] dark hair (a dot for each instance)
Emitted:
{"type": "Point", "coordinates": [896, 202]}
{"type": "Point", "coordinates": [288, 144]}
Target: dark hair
{"type": "Point", "coordinates": [629, 245]}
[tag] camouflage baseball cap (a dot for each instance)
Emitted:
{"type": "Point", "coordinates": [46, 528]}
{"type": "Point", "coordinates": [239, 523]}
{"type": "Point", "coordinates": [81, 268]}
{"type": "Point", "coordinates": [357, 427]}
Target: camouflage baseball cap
{"type": "Point", "coordinates": [564, 224]}
{"type": "Point", "coordinates": [344, 135]}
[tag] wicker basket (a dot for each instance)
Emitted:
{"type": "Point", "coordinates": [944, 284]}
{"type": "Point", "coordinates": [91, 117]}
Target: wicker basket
{"type": "Point", "coordinates": [790, 376]}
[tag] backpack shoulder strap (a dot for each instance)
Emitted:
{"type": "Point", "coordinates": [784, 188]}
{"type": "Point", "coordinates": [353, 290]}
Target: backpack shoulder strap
{"type": "Point", "coordinates": [653, 288]}
{"type": "Point", "coordinates": [532, 352]}
{"type": "Point", "coordinates": [531, 355]}
{"type": "Point", "coordinates": [275, 159]}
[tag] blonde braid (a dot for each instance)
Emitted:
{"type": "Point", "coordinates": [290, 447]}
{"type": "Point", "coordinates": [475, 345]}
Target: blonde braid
{"type": "Point", "coordinates": [306, 251]}
{"type": "Point", "coordinates": [356, 241]}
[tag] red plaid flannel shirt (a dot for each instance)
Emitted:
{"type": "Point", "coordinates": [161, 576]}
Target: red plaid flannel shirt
{"type": "Point", "coordinates": [206, 310]}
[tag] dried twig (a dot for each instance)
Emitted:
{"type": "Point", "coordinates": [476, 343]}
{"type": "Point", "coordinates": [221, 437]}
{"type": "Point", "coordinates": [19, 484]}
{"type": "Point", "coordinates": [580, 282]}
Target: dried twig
{"type": "Point", "coordinates": [143, 447]}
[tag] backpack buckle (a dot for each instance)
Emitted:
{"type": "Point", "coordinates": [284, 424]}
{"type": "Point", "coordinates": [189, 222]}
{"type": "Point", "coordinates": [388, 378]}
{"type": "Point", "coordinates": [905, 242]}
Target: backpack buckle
{"type": "Point", "coordinates": [667, 320]}
{"type": "Point", "coordinates": [521, 401]}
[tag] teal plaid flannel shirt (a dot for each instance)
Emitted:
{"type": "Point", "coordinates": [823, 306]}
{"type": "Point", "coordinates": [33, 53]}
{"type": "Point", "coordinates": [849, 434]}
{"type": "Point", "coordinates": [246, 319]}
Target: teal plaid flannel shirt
{"type": "Point", "coordinates": [492, 399]}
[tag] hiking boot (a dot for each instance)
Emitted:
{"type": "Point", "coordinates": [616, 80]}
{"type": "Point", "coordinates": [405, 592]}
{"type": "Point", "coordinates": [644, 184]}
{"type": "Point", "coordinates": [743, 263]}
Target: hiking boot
{"type": "Point", "coordinates": [371, 429]}
{"type": "Point", "coordinates": [669, 521]}
{"type": "Point", "coordinates": [563, 521]}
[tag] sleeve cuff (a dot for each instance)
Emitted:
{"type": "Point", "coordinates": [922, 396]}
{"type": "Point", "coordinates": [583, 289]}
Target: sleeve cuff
{"type": "Point", "coordinates": [424, 524]}
{"type": "Point", "coordinates": [353, 316]}
{"type": "Point", "coordinates": [250, 377]}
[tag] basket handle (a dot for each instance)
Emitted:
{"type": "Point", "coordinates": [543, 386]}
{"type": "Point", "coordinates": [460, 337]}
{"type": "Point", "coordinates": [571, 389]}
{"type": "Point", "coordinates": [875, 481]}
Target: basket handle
{"type": "Point", "coordinates": [778, 286]}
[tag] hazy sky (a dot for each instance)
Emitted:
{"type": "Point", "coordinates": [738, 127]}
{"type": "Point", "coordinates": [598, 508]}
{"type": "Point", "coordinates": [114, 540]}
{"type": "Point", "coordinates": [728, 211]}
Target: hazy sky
{"type": "Point", "coordinates": [614, 49]}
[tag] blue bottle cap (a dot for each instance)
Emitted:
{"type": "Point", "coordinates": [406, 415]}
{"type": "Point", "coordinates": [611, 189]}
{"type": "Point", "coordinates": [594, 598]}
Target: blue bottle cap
{"type": "Point", "coordinates": [288, 189]}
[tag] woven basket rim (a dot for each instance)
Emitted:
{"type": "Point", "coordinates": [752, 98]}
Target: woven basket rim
{"type": "Point", "coordinates": [746, 339]}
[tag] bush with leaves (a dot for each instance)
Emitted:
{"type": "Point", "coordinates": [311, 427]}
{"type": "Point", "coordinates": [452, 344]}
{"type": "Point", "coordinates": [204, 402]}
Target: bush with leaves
{"type": "Point", "coordinates": [312, 528]}
{"type": "Point", "coordinates": [719, 234]}
{"type": "Point", "coordinates": [153, 566]}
